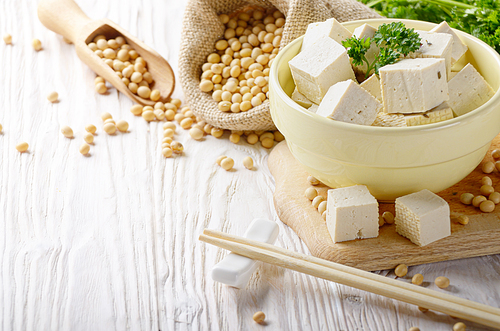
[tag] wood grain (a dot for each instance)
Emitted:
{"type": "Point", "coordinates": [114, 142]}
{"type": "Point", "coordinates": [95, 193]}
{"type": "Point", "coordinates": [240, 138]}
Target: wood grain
{"type": "Point", "coordinates": [109, 242]}
{"type": "Point", "coordinates": [480, 237]}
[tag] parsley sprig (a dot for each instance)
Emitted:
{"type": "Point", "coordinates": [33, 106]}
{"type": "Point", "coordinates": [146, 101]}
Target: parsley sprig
{"type": "Point", "coordinates": [394, 41]}
{"type": "Point", "coordinates": [480, 18]}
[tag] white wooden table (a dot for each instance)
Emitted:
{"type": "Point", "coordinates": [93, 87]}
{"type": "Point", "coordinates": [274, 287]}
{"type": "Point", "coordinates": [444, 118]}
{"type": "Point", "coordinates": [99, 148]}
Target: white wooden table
{"type": "Point", "coordinates": [109, 242]}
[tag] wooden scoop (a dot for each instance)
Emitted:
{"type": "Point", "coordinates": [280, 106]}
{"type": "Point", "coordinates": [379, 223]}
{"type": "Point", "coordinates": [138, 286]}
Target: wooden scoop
{"type": "Point", "coordinates": [64, 17]}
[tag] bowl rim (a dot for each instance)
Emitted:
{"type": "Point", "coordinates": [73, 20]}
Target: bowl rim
{"type": "Point", "coordinates": [273, 77]}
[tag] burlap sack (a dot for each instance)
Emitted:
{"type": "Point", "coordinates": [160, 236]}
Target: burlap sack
{"type": "Point", "coordinates": [202, 28]}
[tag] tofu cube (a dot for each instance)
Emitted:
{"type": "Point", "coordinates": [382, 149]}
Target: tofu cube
{"type": "Point", "coordinates": [329, 28]}
{"type": "Point", "coordinates": [320, 66]}
{"type": "Point", "coordinates": [348, 102]}
{"type": "Point", "coordinates": [372, 86]}
{"type": "Point", "coordinates": [301, 99]}
{"type": "Point", "coordinates": [440, 113]}
{"type": "Point", "coordinates": [468, 90]}
{"type": "Point", "coordinates": [352, 213]}
{"type": "Point", "coordinates": [452, 74]}
{"type": "Point", "coordinates": [435, 45]}
{"type": "Point", "coordinates": [458, 48]}
{"type": "Point", "coordinates": [366, 31]}
{"type": "Point", "coordinates": [313, 108]}
{"type": "Point", "coordinates": [413, 85]}
{"type": "Point", "coordinates": [389, 120]}
{"type": "Point", "coordinates": [422, 217]}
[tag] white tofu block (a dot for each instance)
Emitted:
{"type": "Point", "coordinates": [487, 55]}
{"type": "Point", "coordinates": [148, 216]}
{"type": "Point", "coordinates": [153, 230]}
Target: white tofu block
{"type": "Point", "coordinates": [440, 113]}
{"type": "Point", "coordinates": [435, 45]}
{"type": "Point", "coordinates": [366, 31]}
{"type": "Point", "coordinates": [413, 85]}
{"type": "Point", "coordinates": [348, 102]}
{"type": "Point", "coordinates": [422, 217]}
{"type": "Point", "coordinates": [320, 66]}
{"type": "Point", "coordinates": [313, 108]}
{"type": "Point", "coordinates": [389, 120]}
{"type": "Point", "coordinates": [236, 270]}
{"type": "Point", "coordinates": [458, 48]}
{"type": "Point", "coordinates": [352, 213]}
{"type": "Point", "coordinates": [468, 91]}
{"type": "Point", "coordinates": [372, 86]}
{"type": "Point", "coordinates": [437, 114]}
{"type": "Point", "coordinates": [301, 99]}
{"type": "Point", "coordinates": [452, 74]}
{"type": "Point", "coordinates": [329, 28]}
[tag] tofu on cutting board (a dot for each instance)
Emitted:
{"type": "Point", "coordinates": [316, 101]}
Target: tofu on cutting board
{"type": "Point", "coordinates": [422, 217]}
{"type": "Point", "coordinates": [352, 213]}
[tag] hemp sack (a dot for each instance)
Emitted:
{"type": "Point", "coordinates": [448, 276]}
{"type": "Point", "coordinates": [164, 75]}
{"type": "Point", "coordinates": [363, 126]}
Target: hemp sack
{"type": "Point", "coordinates": [202, 28]}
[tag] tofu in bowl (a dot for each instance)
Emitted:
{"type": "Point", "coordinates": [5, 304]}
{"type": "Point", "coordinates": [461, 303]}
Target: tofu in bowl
{"type": "Point", "coordinates": [425, 122]}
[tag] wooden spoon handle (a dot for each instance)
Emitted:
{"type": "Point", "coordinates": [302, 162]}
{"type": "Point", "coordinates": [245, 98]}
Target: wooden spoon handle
{"type": "Point", "coordinates": [64, 17]}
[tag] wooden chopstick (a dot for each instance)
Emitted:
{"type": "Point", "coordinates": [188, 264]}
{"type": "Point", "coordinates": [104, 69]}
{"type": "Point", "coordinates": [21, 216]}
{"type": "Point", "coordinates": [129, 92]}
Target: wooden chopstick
{"type": "Point", "coordinates": [363, 280]}
{"type": "Point", "coordinates": [354, 271]}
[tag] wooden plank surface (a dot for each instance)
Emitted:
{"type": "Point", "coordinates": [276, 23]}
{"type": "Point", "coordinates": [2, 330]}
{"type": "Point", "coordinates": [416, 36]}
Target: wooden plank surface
{"type": "Point", "coordinates": [109, 242]}
{"type": "Point", "coordinates": [480, 237]}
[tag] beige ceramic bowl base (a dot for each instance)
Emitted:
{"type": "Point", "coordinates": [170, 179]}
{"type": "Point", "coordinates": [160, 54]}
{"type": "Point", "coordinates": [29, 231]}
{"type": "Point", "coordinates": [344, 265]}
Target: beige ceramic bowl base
{"type": "Point", "coordinates": [480, 237]}
{"type": "Point", "coordinates": [391, 162]}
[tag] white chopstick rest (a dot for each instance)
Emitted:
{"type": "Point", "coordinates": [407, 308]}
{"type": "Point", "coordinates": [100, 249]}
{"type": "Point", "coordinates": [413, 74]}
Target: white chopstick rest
{"type": "Point", "coordinates": [236, 270]}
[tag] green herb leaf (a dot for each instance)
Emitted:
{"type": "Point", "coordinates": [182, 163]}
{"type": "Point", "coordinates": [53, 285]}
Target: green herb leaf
{"type": "Point", "coordinates": [356, 49]}
{"type": "Point", "coordinates": [480, 18]}
{"type": "Point", "coordinates": [395, 36]}
{"type": "Point", "coordinates": [394, 41]}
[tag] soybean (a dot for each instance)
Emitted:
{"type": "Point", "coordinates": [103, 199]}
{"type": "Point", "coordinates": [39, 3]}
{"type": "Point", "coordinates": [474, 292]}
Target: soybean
{"type": "Point", "coordinates": [259, 317]}
{"type": "Point", "coordinates": [122, 125]}
{"type": "Point", "coordinates": [90, 128]}
{"type": "Point", "coordinates": [462, 219]}
{"type": "Point", "coordinates": [248, 163]}
{"type": "Point", "coordinates": [466, 198]}
{"type": "Point", "coordinates": [417, 279]}
{"type": "Point", "coordinates": [53, 96]}
{"type": "Point", "coordinates": [84, 149]}
{"type": "Point", "coordinates": [227, 163]}
{"type": "Point", "coordinates": [37, 44]}
{"type": "Point", "coordinates": [459, 326]}
{"type": "Point", "coordinates": [317, 200]}
{"type": "Point", "coordinates": [388, 217]}
{"type": "Point", "coordinates": [488, 167]}
{"type": "Point", "coordinates": [89, 138]}
{"type": "Point", "coordinates": [442, 282]}
{"type": "Point", "coordinates": [487, 206]}
{"type": "Point", "coordinates": [401, 270]}
{"type": "Point", "coordinates": [7, 38]}
{"type": "Point", "coordinates": [196, 133]}
{"type": "Point", "coordinates": [311, 193]}
{"type": "Point", "coordinates": [22, 147]}
{"type": "Point", "coordinates": [67, 131]}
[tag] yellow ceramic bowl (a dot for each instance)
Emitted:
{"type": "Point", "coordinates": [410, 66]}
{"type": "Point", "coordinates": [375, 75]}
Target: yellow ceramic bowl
{"type": "Point", "coordinates": [391, 161]}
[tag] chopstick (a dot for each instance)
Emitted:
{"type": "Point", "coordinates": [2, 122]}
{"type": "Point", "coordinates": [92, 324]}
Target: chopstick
{"type": "Point", "coordinates": [356, 278]}
{"type": "Point", "coordinates": [351, 270]}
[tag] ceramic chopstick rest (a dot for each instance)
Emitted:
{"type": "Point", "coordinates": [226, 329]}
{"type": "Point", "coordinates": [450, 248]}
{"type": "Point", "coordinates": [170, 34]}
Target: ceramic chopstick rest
{"type": "Point", "coordinates": [235, 270]}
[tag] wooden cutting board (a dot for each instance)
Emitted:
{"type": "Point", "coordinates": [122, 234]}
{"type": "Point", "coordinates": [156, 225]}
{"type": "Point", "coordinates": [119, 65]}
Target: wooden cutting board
{"type": "Point", "coordinates": [480, 237]}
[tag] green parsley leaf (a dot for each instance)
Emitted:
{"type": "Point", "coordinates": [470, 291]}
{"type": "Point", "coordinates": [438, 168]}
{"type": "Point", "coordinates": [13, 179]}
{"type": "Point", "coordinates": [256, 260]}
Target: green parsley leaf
{"type": "Point", "coordinates": [480, 18]}
{"type": "Point", "coordinates": [394, 41]}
